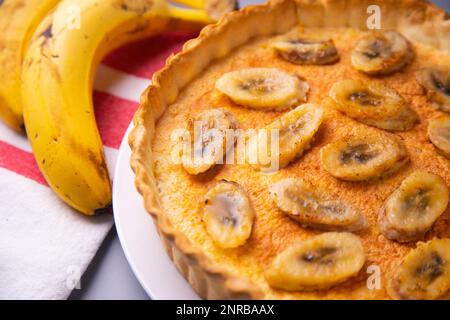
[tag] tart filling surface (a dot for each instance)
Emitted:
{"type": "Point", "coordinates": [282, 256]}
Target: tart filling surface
{"type": "Point", "coordinates": [272, 238]}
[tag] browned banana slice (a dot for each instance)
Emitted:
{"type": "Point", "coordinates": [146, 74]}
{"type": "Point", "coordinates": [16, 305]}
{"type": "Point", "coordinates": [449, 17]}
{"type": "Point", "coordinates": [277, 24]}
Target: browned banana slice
{"type": "Point", "coordinates": [380, 53]}
{"type": "Point", "coordinates": [412, 209]}
{"type": "Point", "coordinates": [208, 131]}
{"type": "Point", "coordinates": [424, 273]}
{"type": "Point", "coordinates": [363, 157]}
{"type": "Point", "coordinates": [439, 134]}
{"type": "Point", "coordinates": [263, 88]}
{"type": "Point", "coordinates": [373, 104]}
{"type": "Point", "coordinates": [305, 50]}
{"type": "Point", "coordinates": [437, 84]}
{"type": "Point", "coordinates": [228, 214]}
{"type": "Point", "coordinates": [313, 207]}
{"type": "Point", "coordinates": [317, 263]}
{"type": "Point", "coordinates": [295, 129]}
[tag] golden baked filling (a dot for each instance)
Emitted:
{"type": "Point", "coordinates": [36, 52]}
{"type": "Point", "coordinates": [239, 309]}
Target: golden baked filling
{"type": "Point", "coordinates": [363, 146]}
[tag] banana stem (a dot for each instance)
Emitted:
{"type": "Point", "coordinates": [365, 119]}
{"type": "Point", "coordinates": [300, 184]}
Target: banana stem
{"type": "Point", "coordinates": [198, 4]}
{"type": "Point", "coordinates": [189, 14]}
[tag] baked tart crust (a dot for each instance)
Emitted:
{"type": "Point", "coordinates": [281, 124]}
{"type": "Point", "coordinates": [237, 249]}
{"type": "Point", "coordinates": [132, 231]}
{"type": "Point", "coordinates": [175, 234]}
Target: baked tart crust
{"type": "Point", "coordinates": [419, 21]}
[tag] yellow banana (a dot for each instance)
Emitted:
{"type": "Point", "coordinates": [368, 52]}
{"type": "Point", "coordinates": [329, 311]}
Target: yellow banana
{"type": "Point", "coordinates": [57, 87]}
{"type": "Point", "coordinates": [18, 21]}
{"type": "Point", "coordinates": [214, 8]}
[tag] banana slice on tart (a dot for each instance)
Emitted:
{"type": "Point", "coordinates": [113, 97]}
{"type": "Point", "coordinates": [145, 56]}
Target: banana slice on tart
{"type": "Point", "coordinates": [439, 134]}
{"type": "Point", "coordinates": [372, 104]}
{"type": "Point", "coordinates": [210, 142]}
{"type": "Point", "coordinates": [424, 273]}
{"type": "Point", "coordinates": [228, 214]}
{"type": "Point", "coordinates": [317, 263]}
{"type": "Point", "coordinates": [381, 53]}
{"type": "Point", "coordinates": [307, 51]}
{"type": "Point", "coordinates": [294, 132]}
{"type": "Point", "coordinates": [436, 82]}
{"type": "Point", "coordinates": [313, 207]}
{"type": "Point", "coordinates": [413, 208]}
{"type": "Point", "coordinates": [363, 157]}
{"type": "Point", "coordinates": [263, 88]}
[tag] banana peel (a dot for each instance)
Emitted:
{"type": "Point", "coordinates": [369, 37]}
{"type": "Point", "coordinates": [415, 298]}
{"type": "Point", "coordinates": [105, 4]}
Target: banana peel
{"type": "Point", "coordinates": [57, 82]}
{"type": "Point", "coordinates": [214, 8]}
{"type": "Point", "coordinates": [18, 21]}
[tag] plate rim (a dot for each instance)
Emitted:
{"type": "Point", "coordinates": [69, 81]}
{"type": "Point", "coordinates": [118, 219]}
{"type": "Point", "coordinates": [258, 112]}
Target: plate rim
{"type": "Point", "coordinates": [118, 226]}
{"type": "Point", "coordinates": [180, 285]}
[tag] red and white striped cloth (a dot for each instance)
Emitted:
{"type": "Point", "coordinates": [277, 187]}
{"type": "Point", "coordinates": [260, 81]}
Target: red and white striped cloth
{"type": "Point", "coordinates": [44, 244]}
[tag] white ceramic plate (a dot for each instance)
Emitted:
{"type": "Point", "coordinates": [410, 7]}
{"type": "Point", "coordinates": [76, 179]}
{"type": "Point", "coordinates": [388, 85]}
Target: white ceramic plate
{"type": "Point", "coordinates": [140, 241]}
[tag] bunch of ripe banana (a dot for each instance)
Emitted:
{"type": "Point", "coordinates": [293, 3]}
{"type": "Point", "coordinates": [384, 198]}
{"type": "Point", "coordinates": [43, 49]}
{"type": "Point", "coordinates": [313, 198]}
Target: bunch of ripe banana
{"type": "Point", "coordinates": [49, 53]}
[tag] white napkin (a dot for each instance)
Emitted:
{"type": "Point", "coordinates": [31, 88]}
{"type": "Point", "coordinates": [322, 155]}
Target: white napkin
{"type": "Point", "coordinates": [45, 246]}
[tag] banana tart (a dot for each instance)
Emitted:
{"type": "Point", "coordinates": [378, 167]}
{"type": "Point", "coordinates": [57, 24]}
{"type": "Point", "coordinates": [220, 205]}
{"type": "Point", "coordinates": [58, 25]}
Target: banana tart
{"type": "Point", "coordinates": [357, 118]}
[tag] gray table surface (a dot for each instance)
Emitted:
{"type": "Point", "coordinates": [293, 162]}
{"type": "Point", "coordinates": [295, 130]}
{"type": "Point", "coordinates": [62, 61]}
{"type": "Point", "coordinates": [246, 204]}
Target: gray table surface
{"type": "Point", "coordinates": [109, 276]}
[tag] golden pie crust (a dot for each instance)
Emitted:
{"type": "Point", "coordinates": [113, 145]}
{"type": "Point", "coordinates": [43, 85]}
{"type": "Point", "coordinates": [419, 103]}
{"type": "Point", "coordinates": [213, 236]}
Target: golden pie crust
{"type": "Point", "coordinates": [185, 86]}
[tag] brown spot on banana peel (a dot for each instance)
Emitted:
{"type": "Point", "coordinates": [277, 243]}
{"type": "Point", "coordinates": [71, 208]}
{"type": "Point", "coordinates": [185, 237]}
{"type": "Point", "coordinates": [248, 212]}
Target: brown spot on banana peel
{"type": "Point", "coordinates": [47, 57]}
{"type": "Point", "coordinates": [140, 7]}
{"type": "Point", "coordinates": [43, 42]}
{"type": "Point", "coordinates": [99, 162]}
{"type": "Point", "coordinates": [138, 28]}
{"type": "Point", "coordinates": [47, 34]}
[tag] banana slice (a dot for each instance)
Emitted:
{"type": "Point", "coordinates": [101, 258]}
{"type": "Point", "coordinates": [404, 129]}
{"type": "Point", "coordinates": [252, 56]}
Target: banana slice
{"type": "Point", "coordinates": [228, 214]}
{"type": "Point", "coordinates": [363, 157]}
{"type": "Point", "coordinates": [437, 83]}
{"type": "Point", "coordinates": [209, 144]}
{"type": "Point", "coordinates": [317, 263]}
{"type": "Point", "coordinates": [412, 209]}
{"type": "Point", "coordinates": [313, 207]}
{"type": "Point", "coordinates": [373, 104]}
{"type": "Point", "coordinates": [380, 53]}
{"type": "Point", "coordinates": [439, 134]}
{"type": "Point", "coordinates": [424, 273]}
{"type": "Point", "coordinates": [306, 51]}
{"type": "Point", "coordinates": [263, 88]}
{"type": "Point", "coordinates": [296, 130]}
